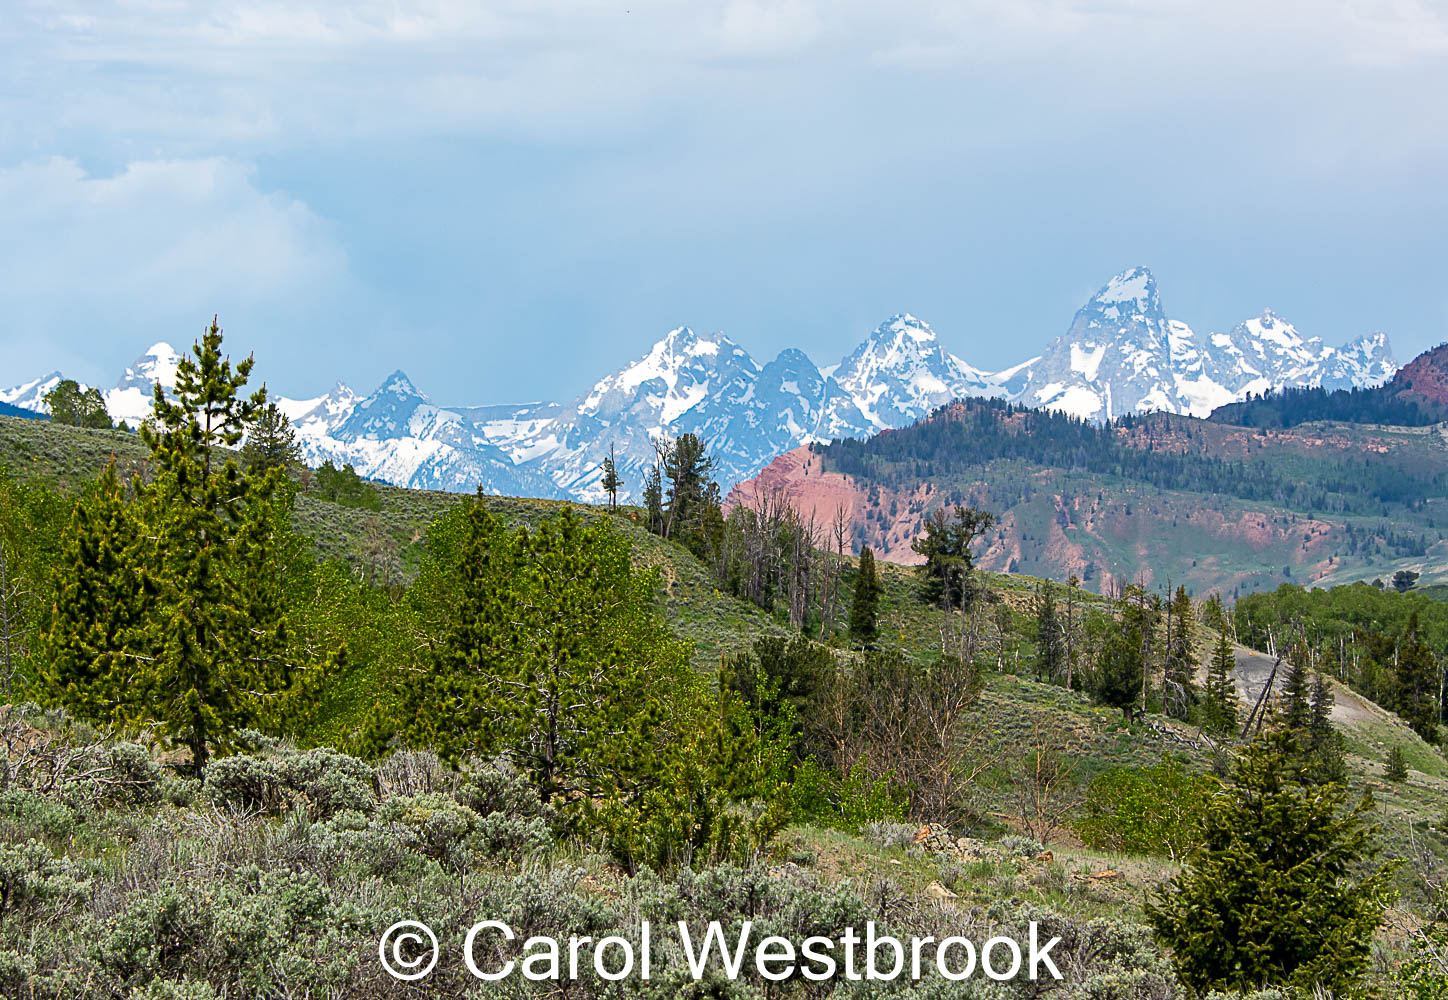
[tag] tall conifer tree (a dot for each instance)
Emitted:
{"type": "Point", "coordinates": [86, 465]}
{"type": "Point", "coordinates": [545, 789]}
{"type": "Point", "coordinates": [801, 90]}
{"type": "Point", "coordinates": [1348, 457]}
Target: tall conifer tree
{"type": "Point", "coordinates": [552, 655]}
{"type": "Point", "coordinates": [270, 442]}
{"type": "Point", "coordinates": [1221, 706]}
{"type": "Point", "coordinates": [864, 608]}
{"type": "Point", "coordinates": [1179, 689]}
{"type": "Point", "coordinates": [93, 641]}
{"type": "Point", "coordinates": [178, 615]}
{"type": "Point", "coordinates": [1297, 691]}
{"type": "Point", "coordinates": [612, 482]}
{"type": "Point", "coordinates": [1417, 682]}
{"type": "Point", "coordinates": [1050, 636]}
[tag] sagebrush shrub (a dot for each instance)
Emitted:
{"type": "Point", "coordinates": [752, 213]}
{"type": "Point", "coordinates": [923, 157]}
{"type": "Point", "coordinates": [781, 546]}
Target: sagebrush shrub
{"type": "Point", "coordinates": [181, 989]}
{"type": "Point", "coordinates": [886, 834]}
{"type": "Point", "coordinates": [329, 781]}
{"type": "Point", "coordinates": [436, 826]}
{"type": "Point", "coordinates": [29, 814]}
{"type": "Point", "coordinates": [31, 876]}
{"type": "Point", "coordinates": [132, 777]}
{"type": "Point", "coordinates": [1016, 845]}
{"type": "Point", "coordinates": [250, 783]}
{"type": "Point", "coordinates": [499, 788]}
{"type": "Point", "coordinates": [412, 772]}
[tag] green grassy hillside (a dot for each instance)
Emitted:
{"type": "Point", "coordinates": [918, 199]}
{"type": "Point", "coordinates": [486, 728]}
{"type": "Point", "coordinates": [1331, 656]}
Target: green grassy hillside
{"type": "Point", "coordinates": [880, 869]}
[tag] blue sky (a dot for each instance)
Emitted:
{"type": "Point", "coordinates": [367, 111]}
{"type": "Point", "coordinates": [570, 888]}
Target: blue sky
{"type": "Point", "coordinates": [509, 199]}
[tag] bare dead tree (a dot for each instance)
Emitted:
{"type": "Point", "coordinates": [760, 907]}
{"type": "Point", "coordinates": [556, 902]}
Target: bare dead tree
{"type": "Point", "coordinates": [44, 759]}
{"type": "Point", "coordinates": [1002, 621]}
{"type": "Point", "coordinates": [1073, 597]}
{"type": "Point", "coordinates": [1046, 785]}
{"type": "Point", "coordinates": [1259, 710]}
{"type": "Point", "coordinates": [381, 566]}
{"type": "Point", "coordinates": [907, 725]}
{"type": "Point", "coordinates": [832, 571]}
{"type": "Point", "coordinates": [962, 633]}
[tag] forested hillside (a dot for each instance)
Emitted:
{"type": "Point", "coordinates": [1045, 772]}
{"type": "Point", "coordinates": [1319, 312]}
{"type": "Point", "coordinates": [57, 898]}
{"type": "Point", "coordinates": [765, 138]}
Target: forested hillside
{"type": "Point", "coordinates": [1417, 395]}
{"type": "Point", "coordinates": [1160, 499]}
{"type": "Point", "coordinates": [258, 713]}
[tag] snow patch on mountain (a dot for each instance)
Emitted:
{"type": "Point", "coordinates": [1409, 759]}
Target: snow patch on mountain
{"type": "Point", "coordinates": [31, 395]}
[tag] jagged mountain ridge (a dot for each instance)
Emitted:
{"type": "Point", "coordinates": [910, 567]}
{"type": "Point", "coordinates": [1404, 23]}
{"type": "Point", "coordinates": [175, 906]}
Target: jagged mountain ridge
{"type": "Point", "coordinates": [1121, 354]}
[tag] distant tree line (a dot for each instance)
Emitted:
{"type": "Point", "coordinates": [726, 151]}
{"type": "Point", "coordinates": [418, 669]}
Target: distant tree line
{"type": "Point", "coordinates": [1292, 406]}
{"type": "Point", "coordinates": [968, 434]}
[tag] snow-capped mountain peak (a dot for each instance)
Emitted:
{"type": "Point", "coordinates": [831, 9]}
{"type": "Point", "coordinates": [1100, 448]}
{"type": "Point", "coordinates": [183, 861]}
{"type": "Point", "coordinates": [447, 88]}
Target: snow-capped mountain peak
{"type": "Point", "coordinates": [31, 395]}
{"type": "Point", "coordinates": [906, 326]}
{"type": "Point", "coordinates": [130, 399]}
{"type": "Point", "coordinates": [1122, 354]}
{"type": "Point", "coordinates": [320, 413]}
{"type": "Point", "coordinates": [901, 372]}
{"type": "Point", "coordinates": [156, 366]}
{"type": "Point", "coordinates": [1130, 293]}
{"type": "Point", "coordinates": [1130, 299]}
{"type": "Point", "coordinates": [676, 374]}
{"type": "Point", "coordinates": [399, 385]}
{"type": "Point", "coordinates": [1114, 359]}
{"type": "Point", "coordinates": [1273, 329]}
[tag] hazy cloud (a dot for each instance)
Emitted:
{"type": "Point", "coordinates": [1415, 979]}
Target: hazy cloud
{"type": "Point", "coordinates": [160, 245]}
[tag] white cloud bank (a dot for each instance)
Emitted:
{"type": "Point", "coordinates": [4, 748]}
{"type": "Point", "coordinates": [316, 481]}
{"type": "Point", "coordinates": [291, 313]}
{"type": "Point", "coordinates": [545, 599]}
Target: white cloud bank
{"type": "Point", "coordinates": [161, 245]}
{"type": "Point", "coordinates": [181, 75]}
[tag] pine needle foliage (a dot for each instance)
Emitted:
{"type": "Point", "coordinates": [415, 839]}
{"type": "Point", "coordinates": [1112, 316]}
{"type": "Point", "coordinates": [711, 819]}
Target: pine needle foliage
{"type": "Point", "coordinates": [1281, 892]}
{"type": "Point", "coordinates": [1221, 705]}
{"type": "Point", "coordinates": [170, 606]}
{"type": "Point", "coordinates": [865, 605]}
{"type": "Point", "coordinates": [551, 655]}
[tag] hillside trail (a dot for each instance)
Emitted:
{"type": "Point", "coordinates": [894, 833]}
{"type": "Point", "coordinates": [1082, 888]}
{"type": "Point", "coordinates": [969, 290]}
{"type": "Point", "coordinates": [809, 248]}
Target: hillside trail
{"type": "Point", "coordinates": [1349, 708]}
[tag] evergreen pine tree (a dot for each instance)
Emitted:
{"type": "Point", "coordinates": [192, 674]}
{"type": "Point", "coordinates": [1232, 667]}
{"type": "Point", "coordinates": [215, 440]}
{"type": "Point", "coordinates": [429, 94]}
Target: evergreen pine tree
{"type": "Point", "coordinates": [270, 442]}
{"type": "Point", "coordinates": [1050, 638]}
{"type": "Point", "coordinates": [654, 500]}
{"type": "Point", "coordinates": [1120, 666]}
{"type": "Point", "coordinates": [92, 642]}
{"type": "Point", "coordinates": [1221, 707]}
{"type": "Point", "coordinates": [1275, 896]}
{"type": "Point", "coordinates": [1327, 762]}
{"type": "Point", "coordinates": [1417, 683]}
{"type": "Point", "coordinates": [864, 608]}
{"type": "Point", "coordinates": [552, 655]}
{"type": "Point", "coordinates": [1214, 614]}
{"type": "Point", "coordinates": [1319, 727]}
{"type": "Point", "coordinates": [203, 645]}
{"type": "Point", "coordinates": [1397, 765]}
{"type": "Point", "coordinates": [1404, 580]}
{"type": "Point", "coordinates": [691, 497]}
{"type": "Point", "coordinates": [947, 575]}
{"type": "Point", "coordinates": [1179, 690]}
{"type": "Point", "coordinates": [611, 481]}
{"type": "Point", "coordinates": [1297, 690]}
{"type": "Point", "coordinates": [77, 407]}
